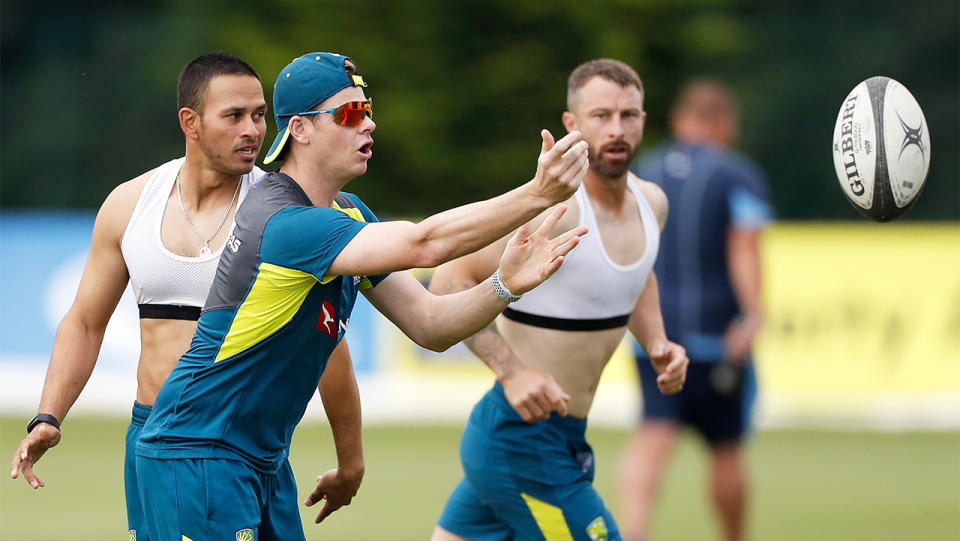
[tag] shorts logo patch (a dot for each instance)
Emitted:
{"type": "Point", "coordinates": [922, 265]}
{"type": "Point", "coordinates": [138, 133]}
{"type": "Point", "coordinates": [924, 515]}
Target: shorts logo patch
{"type": "Point", "coordinates": [245, 534]}
{"type": "Point", "coordinates": [597, 530]}
{"type": "Point", "coordinates": [132, 534]}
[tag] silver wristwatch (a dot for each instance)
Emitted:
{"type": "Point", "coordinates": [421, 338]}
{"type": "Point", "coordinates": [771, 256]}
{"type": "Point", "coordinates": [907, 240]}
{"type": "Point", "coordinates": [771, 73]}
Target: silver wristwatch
{"type": "Point", "coordinates": [501, 289]}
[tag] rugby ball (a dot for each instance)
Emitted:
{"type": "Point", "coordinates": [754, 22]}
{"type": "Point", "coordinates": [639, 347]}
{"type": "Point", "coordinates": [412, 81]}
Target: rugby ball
{"type": "Point", "coordinates": [881, 148]}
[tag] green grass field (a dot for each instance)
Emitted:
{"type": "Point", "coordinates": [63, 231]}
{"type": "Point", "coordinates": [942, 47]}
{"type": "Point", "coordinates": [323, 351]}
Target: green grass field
{"type": "Point", "coordinates": [808, 485]}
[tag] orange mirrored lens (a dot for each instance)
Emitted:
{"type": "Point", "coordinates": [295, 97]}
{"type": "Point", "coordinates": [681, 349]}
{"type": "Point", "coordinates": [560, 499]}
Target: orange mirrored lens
{"type": "Point", "coordinates": [351, 113]}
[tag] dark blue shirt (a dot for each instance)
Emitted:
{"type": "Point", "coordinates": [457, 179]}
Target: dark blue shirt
{"type": "Point", "coordinates": [709, 191]}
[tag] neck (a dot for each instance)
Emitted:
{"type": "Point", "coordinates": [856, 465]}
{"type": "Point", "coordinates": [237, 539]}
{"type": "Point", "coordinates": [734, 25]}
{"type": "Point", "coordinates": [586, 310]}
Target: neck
{"type": "Point", "coordinates": [608, 193]}
{"type": "Point", "coordinates": [313, 180]}
{"type": "Point", "coordinates": [200, 184]}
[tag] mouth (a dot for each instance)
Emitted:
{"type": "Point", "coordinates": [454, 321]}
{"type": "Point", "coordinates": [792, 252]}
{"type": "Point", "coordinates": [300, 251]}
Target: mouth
{"type": "Point", "coordinates": [248, 151]}
{"type": "Point", "coordinates": [366, 149]}
{"type": "Point", "coordinates": [616, 151]}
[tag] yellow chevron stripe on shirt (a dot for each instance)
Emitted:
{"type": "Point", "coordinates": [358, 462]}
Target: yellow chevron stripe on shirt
{"type": "Point", "coordinates": [274, 299]}
{"type": "Point", "coordinates": [549, 519]}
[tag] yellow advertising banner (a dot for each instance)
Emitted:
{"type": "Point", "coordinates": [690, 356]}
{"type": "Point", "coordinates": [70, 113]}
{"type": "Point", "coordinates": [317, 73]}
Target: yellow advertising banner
{"type": "Point", "coordinates": [851, 307]}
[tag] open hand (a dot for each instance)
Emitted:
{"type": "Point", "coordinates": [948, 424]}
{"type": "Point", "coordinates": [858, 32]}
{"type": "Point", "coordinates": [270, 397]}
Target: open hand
{"type": "Point", "coordinates": [561, 166]}
{"type": "Point", "coordinates": [42, 437]}
{"type": "Point", "coordinates": [534, 394]}
{"type": "Point", "coordinates": [529, 259]}
{"type": "Point", "coordinates": [337, 489]}
{"type": "Point", "coordinates": [670, 362]}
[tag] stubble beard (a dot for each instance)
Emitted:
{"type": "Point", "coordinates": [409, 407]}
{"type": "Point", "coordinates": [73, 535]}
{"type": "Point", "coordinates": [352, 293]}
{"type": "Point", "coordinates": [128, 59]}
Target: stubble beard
{"type": "Point", "coordinates": [221, 164]}
{"type": "Point", "coordinates": [611, 169]}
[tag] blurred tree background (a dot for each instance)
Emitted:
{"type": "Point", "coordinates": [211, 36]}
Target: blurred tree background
{"type": "Point", "coordinates": [462, 88]}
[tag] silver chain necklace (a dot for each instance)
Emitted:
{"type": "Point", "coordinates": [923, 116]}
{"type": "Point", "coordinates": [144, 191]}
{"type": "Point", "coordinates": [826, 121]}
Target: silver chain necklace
{"type": "Point", "coordinates": [205, 250]}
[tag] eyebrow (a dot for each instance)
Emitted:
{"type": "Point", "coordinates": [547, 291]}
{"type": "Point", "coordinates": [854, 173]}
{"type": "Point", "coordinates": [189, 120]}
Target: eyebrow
{"type": "Point", "coordinates": [239, 109]}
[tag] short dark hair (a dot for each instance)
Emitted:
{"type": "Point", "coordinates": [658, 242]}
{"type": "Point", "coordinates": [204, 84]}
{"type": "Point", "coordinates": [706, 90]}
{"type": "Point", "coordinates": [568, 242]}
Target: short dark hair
{"type": "Point", "coordinates": [706, 98]}
{"type": "Point", "coordinates": [611, 70]}
{"type": "Point", "coordinates": [196, 76]}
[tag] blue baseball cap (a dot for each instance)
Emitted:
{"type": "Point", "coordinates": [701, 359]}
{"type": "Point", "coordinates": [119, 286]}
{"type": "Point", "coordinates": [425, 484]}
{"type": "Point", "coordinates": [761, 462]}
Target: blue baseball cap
{"type": "Point", "coordinates": [302, 85]}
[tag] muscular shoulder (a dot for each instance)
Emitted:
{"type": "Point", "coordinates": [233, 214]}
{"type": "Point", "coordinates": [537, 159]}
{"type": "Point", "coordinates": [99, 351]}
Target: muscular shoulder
{"type": "Point", "coordinates": [114, 214]}
{"type": "Point", "coordinates": [656, 198]}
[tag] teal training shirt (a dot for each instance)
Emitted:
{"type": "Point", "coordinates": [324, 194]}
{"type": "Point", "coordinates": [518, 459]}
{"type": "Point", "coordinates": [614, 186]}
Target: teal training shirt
{"type": "Point", "coordinates": [271, 320]}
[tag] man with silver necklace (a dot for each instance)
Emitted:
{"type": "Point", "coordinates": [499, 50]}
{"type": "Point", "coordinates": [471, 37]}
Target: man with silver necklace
{"type": "Point", "coordinates": [168, 250]}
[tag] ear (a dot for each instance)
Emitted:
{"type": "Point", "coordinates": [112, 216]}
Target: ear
{"type": "Point", "coordinates": [569, 121]}
{"type": "Point", "coordinates": [297, 129]}
{"type": "Point", "coordinates": [190, 123]}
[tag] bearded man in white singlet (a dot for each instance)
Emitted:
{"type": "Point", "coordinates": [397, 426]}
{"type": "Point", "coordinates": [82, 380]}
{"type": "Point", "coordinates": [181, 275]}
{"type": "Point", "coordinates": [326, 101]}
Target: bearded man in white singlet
{"type": "Point", "coordinates": [163, 231]}
{"type": "Point", "coordinates": [529, 470]}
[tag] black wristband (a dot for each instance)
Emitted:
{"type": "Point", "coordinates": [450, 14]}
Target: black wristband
{"type": "Point", "coordinates": [43, 418]}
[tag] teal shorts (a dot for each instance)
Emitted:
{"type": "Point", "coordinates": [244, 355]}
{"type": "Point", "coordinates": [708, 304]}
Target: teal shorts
{"type": "Point", "coordinates": [136, 519]}
{"type": "Point", "coordinates": [525, 481]}
{"type": "Point", "coordinates": [214, 499]}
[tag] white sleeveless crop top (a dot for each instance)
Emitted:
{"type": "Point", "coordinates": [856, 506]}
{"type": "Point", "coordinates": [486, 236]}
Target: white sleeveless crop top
{"type": "Point", "coordinates": [167, 285]}
{"type": "Point", "coordinates": [590, 291]}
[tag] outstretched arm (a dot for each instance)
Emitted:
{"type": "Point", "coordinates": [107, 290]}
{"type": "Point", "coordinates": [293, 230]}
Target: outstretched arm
{"type": "Point", "coordinates": [341, 401]}
{"type": "Point", "coordinates": [438, 322]}
{"type": "Point", "coordinates": [80, 334]}
{"type": "Point", "coordinates": [385, 247]}
{"type": "Point", "coordinates": [533, 394]}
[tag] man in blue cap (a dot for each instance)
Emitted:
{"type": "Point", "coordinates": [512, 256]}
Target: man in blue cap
{"type": "Point", "coordinates": [211, 458]}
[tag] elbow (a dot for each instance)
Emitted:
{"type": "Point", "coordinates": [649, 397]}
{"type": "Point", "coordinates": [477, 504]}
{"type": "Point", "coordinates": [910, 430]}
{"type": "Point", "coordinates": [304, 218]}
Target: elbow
{"type": "Point", "coordinates": [433, 253]}
{"type": "Point", "coordinates": [428, 252]}
{"type": "Point", "coordinates": [437, 344]}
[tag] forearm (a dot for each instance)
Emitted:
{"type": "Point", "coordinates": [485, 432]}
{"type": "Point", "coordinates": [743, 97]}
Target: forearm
{"type": "Point", "coordinates": [487, 344]}
{"type": "Point", "coordinates": [743, 261]}
{"type": "Point", "coordinates": [452, 318]}
{"type": "Point", "coordinates": [74, 355]}
{"type": "Point", "coordinates": [341, 401]}
{"type": "Point", "coordinates": [463, 230]}
{"type": "Point", "coordinates": [646, 321]}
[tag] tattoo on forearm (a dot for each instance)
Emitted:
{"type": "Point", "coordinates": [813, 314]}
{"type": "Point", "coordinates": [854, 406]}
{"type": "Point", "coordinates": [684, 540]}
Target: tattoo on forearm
{"type": "Point", "coordinates": [493, 350]}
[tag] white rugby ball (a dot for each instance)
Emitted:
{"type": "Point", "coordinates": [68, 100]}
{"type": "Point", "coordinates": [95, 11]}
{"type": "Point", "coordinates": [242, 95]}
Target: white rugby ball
{"type": "Point", "coordinates": [881, 148]}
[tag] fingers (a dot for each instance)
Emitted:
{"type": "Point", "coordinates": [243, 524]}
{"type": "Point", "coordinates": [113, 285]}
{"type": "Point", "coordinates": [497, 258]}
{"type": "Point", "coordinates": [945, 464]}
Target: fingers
{"type": "Point", "coordinates": [573, 160]}
{"type": "Point", "coordinates": [561, 146]}
{"type": "Point", "coordinates": [548, 141]}
{"type": "Point", "coordinates": [522, 234]}
{"type": "Point", "coordinates": [15, 463]}
{"type": "Point", "coordinates": [325, 512]}
{"type": "Point", "coordinates": [28, 474]}
{"type": "Point", "coordinates": [558, 399]}
{"type": "Point", "coordinates": [566, 242]}
{"type": "Point", "coordinates": [314, 497]}
{"type": "Point", "coordinates": [548, 224]}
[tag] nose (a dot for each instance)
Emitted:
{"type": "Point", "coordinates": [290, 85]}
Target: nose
{"type": "Point", "coordinates": [616, 128]}
{"type": "Point", "coordinates": [367, 125]}
{"type": "Point", "coordinates": [251, 127]}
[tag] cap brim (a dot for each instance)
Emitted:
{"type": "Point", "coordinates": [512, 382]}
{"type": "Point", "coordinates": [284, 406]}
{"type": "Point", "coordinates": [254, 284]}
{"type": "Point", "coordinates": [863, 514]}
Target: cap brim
{"type": "Point", "coordinates": [277, 147]}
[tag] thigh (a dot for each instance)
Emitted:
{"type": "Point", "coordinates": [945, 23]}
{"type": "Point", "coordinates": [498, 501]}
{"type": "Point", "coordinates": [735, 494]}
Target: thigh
{"type": "Point", "coordinates": [465, 515]}
{"type": "Point", "coordinates": [281, 514]}
{"type": "Point", "coordinates": [136, 520]}
{"type": "Point", "coordinates": [199, 499]}
{"type": "Point", "coordinates": [539, 491]}
{"type": "Point", "coordinates": [714, 402]}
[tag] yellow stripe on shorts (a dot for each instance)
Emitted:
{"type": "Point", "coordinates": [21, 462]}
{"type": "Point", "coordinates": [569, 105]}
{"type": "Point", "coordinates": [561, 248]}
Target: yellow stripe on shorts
{"type": "Point", "coordinates": [549, 519]}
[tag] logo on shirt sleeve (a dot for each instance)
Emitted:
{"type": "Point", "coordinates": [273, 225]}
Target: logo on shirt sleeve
{"type": "Point", "coordinates": [245, 535]}
{"type": "Point", "coordinates": [327, 322]}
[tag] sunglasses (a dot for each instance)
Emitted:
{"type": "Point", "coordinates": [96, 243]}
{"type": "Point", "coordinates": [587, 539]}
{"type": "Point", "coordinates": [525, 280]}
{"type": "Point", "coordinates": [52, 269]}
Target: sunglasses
{"type": "Point", "coordinates": [349, 114]}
